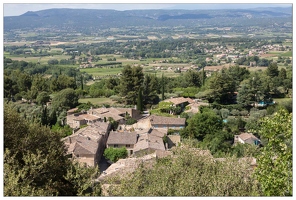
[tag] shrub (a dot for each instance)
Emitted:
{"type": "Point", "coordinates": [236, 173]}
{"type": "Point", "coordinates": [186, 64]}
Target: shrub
{"type": "Point", "coordinates": [114, 154]}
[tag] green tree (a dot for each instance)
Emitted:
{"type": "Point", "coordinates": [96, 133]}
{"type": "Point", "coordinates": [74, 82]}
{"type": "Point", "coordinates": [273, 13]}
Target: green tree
{"type": "Point", "coordinates": [130, 83]}
{"type": "Point", "coordinates": [246, 96]}
{"type": "Point", "coordinates": [10, 87]}
{"type": "Point", "coordinates": [140, 101]}
{"type": "Point", "coordinates": [81, 82]}
{"type": "Point", "coordinates": [162, 87]}
{"type": "Point", "coordinates": [34, 159]}
{"type": "Point", "coordinates": [274, 171]}
{"type": "Point", "coordinates": [111, 83]}
{"type": "Point", "coordinates": [238, 73]}
{"type": "Point", "coordinates": [65, 99]}
{"type": "Point", "coordinates": [40, 83]}
{"type": "Point", "coordinates": [53, 62]}
{"type": "Point", "coordinates": [192, 79]}
{"type": "Point", "coordinates": [150, 88]}
{"type": "Point", "coordinates": [42, 98]}
{"type": "Point", "coordinates": [114, 154]}
{"type": "Point", "coordinates": [35, 163]}
{"type": "Point", "coordinates": [222, 88]}
{"type": "Point", "coordinates": [272, 70]}
{"type": "Point", "coordinates": [82, 179]}
{"type": "Point", "coordinates": [62, 82]}
{"type": "Point", "coordinates": [203, 123]}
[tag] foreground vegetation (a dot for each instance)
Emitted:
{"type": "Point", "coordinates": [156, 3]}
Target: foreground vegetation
{"type": "Point", "coordinates": [192, 172]}
{"type": "Point", "coordinates": [35, 165]}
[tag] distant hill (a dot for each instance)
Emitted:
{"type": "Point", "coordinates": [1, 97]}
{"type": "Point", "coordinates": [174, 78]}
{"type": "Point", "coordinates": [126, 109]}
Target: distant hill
{"type": "Point", "coordinates": [91, 19]}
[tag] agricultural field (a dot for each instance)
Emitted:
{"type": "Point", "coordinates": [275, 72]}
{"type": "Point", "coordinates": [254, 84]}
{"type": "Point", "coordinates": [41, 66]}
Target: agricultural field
{"type": "Point", "coordinates": [35, 59]}
{"type": "Point", "coordinates": [97, 101]}
{"type": "Point", "coordinates": [104, 71]}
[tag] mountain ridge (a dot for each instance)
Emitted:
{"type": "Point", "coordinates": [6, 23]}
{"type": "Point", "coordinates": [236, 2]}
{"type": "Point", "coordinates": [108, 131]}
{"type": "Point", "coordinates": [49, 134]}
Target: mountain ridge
{"type": "Point", "coordinates": [104, 18]}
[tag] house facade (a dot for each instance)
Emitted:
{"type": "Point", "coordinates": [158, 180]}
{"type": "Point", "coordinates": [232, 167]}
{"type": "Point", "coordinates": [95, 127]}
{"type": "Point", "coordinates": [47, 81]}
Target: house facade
{"type": "Point", "coordinates": [87, 144]}
{"type": "Point", "coordinates": [167, 122]}
{"type": "Point", "coordinates": [122, 139]}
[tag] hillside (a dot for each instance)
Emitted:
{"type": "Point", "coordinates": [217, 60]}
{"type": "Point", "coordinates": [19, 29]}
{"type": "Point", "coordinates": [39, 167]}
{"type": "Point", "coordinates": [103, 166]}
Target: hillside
{"type": "Point", "coordinates": [94, 20]}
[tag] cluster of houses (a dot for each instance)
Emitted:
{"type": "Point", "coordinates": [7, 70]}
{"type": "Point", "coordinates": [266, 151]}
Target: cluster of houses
{"type": "Point", "coordinates": [92, 132]}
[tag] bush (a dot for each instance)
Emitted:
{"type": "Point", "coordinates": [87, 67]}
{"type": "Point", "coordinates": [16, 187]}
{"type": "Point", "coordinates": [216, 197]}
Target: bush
{"type": "Point", "coordinates": [244, 113]}
{"type": "Point", "coordinates": [131, 121]}
{"type": "Point", "coordinates": [235, 112]}
{"type": "Point", "coordinates": [114, 154]}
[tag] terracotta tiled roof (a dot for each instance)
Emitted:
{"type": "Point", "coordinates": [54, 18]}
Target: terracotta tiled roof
{"type": "Point", "coordinates": [246, 136]}
{"type": "Point", "coordinates": [72, 110]}
{"type": "Point", "coordinates": [115, 111]}
{"type": "Point", "coordinates": [148, 141]}
{"type": "Point", "coordinates": [94, 130]}
{"type": "Point", "coordinates": [167, 120]}
{"type": "Point", "coordinates": [179, 100]}
{"type": "Point", "coordinates": [86, 117]}
{"type": "Point", "coordinates": [124, 110]}
{"type": "Point", "coordinates": [101, 110]}
{"type": "Point", "coordinates": [122, 138]}
{"type": "Point", "coordinates": [85, 140]}
{"type": "Point", "coordinates": [109, 114]}
{"type": "Point", "coordinates": [85, 145]}
{"type": "Point", "coordinates": [158, 133]}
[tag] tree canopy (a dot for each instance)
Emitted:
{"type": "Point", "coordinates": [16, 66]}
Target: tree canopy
{"type": "Point", "coordinates": [35, 163]}
{"type": "Point", "coordinates": [130, 83]}
{"type": "Point", "coordinates": [187, 173]}
{"type": "Point", "coordinates": [274, 171]}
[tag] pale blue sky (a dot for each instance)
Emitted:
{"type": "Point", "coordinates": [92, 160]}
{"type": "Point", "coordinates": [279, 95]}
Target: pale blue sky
{"type": "Point", "coordinates": [14, 9]}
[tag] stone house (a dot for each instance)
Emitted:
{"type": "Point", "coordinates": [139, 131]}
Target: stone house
{"type": "Point", "coordinates": [180, 102]}
{"type": "Point", "coordinates": [149, 142]}
{"type": "Point", "coordinates": [122, 139]}
{"type": "Point", "coordinates": [167, 122]}
{"type": "Point", "coordinates": [87, 144]}
{"type": "Point", "coordinates": [76, 119]}
{"type": "Point", "coordinates": [248, 138]}
{"type": "Point", "coordinates": [173, 140]}
{"type": "Point", "coordinates": [160, 122]}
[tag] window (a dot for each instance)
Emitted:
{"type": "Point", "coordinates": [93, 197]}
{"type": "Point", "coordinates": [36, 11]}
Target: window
{"type": "Point", "coordinates": [115, 145]}
{"type": "Point", "coordinates": [128, 145]}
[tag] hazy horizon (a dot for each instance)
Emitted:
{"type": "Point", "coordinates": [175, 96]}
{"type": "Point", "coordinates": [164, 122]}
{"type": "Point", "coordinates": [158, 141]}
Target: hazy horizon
{"type": "Point", "coordinates": [14, 9]}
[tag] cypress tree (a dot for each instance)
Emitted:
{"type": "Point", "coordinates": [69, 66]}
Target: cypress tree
{"type": "Point", "coordinates": [203, 74]}
{"type": "Point", "coordinates": [81, 79]}
{"type": "Point", "coordinates": [44, 120]}
{"type": "Point", "coordinates": [162, 87]}
{"type": "Point", "coordinates": [140, 100]}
